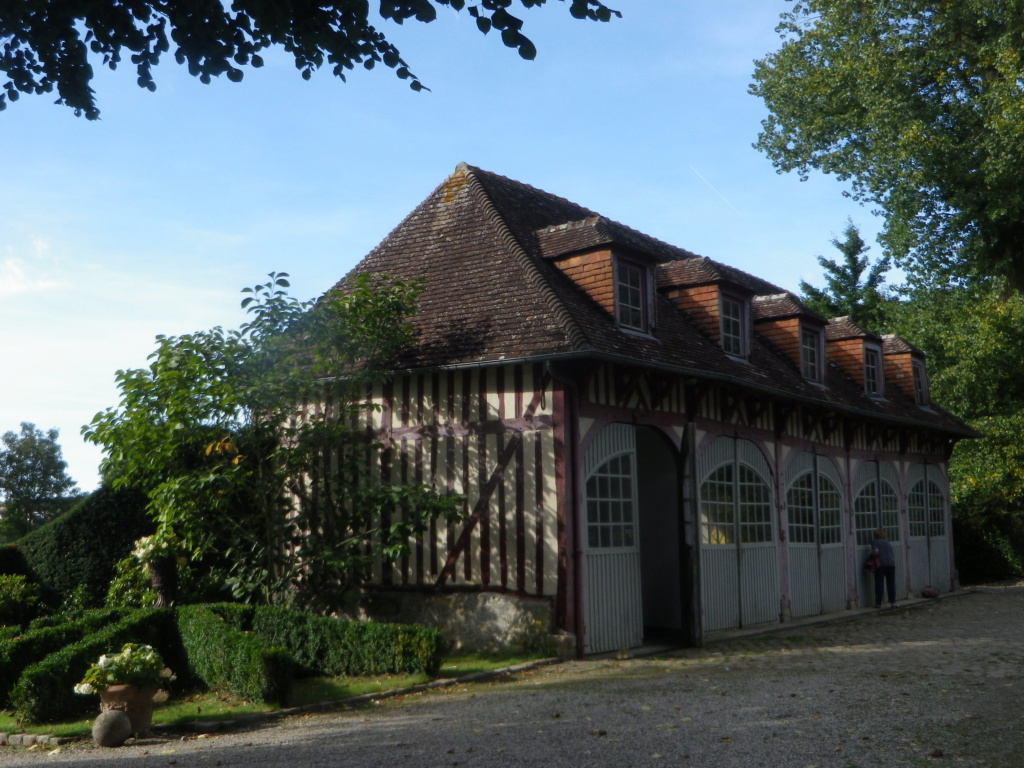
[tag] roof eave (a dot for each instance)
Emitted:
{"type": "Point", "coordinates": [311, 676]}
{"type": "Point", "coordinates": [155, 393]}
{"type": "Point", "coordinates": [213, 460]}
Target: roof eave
{"type": "Point", "coordinates": [722, 378]}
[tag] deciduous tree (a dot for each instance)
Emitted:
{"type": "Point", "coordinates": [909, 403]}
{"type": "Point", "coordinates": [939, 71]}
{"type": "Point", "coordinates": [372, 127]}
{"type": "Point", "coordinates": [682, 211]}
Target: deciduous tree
{"type": "Point", "coordinates": [918, 105]}
{"type": "Point", "coordinates": [249, 446]}
{"type": "Point", "coordinates": [974, 338]}
{"type": "Point", "coordinates": [34, 484]}
{"type": "Point", "coordinates": [48, 44]}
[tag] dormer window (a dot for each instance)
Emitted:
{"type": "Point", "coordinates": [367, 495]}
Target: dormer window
{"type": "Point", "coordinates": [920, 383]}
{"type": "Point", "coordinates": [733, 326]}
{"type": "Point", "coordinates": [631, 296]}
{"type": "Point", "coordinates": [872, 371]}
{"type": "Point", "coordinates": [812, 357]}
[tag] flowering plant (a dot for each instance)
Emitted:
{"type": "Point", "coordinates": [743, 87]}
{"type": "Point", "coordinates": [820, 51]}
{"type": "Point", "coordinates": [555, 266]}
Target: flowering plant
{"type": "Point", "coordinates": [155, 547]}
{"type": "Point", "coordinates": [136, 664]}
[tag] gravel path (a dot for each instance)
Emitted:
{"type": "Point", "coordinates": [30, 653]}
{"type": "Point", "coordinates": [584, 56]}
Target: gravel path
{"type": "Point", "coordinates": [941, 683]}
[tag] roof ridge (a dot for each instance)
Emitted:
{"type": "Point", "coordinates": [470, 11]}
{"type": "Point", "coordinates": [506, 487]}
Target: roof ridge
{"type": "Point", "coordinates": [576, 223]}
{"type": "Point", "coordinates": [599, 219]}
{"type": "Point", "coordinates": [577, 337]}
{"type": "Point", "coordinates": [780, 295]}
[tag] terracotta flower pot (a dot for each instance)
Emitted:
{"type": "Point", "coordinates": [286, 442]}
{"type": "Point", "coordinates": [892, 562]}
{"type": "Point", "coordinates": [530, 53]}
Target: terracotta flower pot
{"type": "Point", "coordinates": [135, 702]}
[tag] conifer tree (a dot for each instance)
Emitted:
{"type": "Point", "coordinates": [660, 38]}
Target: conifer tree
{"type": "Point", "coordinates": [848, 291]}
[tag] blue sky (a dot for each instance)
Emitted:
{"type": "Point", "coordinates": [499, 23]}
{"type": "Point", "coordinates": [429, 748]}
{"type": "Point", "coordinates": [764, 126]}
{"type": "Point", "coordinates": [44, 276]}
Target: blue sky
{"type": "Point", "coordinates": [152, 219]}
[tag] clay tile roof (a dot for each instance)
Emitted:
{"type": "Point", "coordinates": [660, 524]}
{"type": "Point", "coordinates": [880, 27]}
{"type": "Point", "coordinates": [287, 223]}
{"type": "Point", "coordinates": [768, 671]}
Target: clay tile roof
{"type": "Point", "coordinates": [561, 239]}
{"type": "Point", "coordinates": [840, 328]}
{"type": "Point", "coordinates": [778, 305]}
{"type": "Point", "coordinates": [594, 231]}
{"type": "Point", "coordinates": [482, 245]}
{"type": "Point", "coordinates": [894, 345]}
{"type": "Point", "coordinates": [701, 270]}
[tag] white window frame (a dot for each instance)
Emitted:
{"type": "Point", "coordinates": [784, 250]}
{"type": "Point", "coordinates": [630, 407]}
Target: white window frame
{"type": "Point", "coordinates": [812, 369]}
{"type": "Point", "coordinates": [874, 385]}
{"type": "Point", "coordinates": [642, 291]}
{"type": "Point", "coordinates": [920, 378]}
{"type": "Point", "coordinates": [735, 344]}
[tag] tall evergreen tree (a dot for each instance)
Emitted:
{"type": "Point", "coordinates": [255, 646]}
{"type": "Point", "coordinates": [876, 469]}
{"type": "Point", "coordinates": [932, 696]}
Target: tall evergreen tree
{"type": "Point", "coordinates": [848, 291]}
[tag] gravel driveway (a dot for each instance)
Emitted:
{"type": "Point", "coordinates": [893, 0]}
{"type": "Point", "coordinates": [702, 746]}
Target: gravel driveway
{"type": "Point", "coordinates": [939, 683]}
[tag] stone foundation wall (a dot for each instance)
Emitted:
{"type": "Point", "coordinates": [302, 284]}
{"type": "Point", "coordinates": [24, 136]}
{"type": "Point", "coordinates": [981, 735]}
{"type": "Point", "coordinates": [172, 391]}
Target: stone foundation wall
{"type": "Point", "coordinates": [479, 622]}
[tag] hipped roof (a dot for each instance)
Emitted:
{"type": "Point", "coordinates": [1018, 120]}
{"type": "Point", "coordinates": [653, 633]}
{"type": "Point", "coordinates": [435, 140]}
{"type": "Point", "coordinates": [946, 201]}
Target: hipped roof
{"type": "Point", "coordinates": [485, 247]}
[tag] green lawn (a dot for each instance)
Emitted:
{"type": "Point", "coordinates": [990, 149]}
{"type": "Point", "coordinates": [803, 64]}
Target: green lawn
{"type": "Point", "coordinates": [183, 708]}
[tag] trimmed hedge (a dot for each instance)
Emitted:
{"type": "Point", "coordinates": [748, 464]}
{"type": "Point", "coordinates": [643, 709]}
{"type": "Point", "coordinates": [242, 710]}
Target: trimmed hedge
{"type": "Point", "coordinates": [42, 639]}
{"type": "Point", "coordinates": [347, 648]}
{"type": "Point", "coordinates": [43, 693]}
{"type": "Point", "coordinates": [81, 547]}
{"type": "Point", "coordinates": [249, 651]}
{"type": "Point", "coordinates": [326, 646]}
{"type": "Point", "coordinates": [222, 656]}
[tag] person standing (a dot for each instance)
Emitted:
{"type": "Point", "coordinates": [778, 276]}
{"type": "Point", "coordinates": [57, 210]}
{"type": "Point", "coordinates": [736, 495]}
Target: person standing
{"type": "Point", "coordinates": [886, 573]}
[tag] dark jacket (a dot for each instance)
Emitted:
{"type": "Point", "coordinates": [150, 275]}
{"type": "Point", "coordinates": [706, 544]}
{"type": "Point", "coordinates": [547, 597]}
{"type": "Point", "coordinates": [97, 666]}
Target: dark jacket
{"type": "Point", "coordinates": [885, 553]}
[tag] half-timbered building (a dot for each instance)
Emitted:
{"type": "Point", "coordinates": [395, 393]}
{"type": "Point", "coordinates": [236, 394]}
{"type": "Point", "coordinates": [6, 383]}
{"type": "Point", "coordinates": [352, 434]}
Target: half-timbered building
{"type": "Point", "coordinates": [650, 444]}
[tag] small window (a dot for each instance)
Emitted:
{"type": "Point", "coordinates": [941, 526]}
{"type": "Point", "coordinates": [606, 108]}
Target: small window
{"type": "Point", "coordinates": [733, 325]}
{"type": "Point", "coordinates": [811, 358]}
{"type": "Point", "coordinates": [920, 383]}
{"type": "Point", "coordinates": [872, 372]}
{"type": "Point", "coordinates": [631, 296]}
{"type": "Point", "coordinates": [611, 505]}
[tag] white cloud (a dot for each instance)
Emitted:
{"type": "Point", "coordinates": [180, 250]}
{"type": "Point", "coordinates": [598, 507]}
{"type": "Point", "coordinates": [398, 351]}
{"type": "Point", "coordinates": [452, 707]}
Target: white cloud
{"type": "Point", "coordinates": [34, 274]}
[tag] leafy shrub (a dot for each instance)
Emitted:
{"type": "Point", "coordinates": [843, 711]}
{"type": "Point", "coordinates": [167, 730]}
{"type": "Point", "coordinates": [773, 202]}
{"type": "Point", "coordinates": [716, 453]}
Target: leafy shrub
{"type": "Point", "coordinates": [131, 586]}
{"type": "Point", "coordinates": [223, 657]}
{"type": "Point", "coordinates": [77, 601]}
{"type": "Point", "coordinates": [988, 547]}
{"type": "Point", "coordinates": [81, 547]}
{"type": "Point", "coordinates": [18, 599]}
{"type": "Point", "coordinates": [44, 637]}
{"type": "Point", "coordinates": [45, 691]}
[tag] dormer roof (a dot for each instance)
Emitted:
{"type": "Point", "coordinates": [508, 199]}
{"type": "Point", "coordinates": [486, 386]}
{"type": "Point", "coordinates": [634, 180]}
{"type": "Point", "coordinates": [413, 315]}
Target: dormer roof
{"type": "Point", "coordinates": [701, 270]}
{"type": "Point", "coordinates": [842, 328]}
{"type": "Point", "coordinates": [894, 345]}
{"type": "Point", "coordinates": [777, 306]}
{"type": "Point", "coordinates": [593, 232]}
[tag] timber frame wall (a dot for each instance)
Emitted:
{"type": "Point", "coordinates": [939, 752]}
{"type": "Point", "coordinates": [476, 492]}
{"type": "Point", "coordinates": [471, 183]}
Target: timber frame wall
{"type": "Point", "coordinates": [492, 434]}
{"type": "Point", "coordinates": [507, 437]}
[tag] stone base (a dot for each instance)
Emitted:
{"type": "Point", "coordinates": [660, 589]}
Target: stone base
{"type": "Point", "coordinates": [477, 622]}
{"type": "Point", "coordinates": [135, 702]}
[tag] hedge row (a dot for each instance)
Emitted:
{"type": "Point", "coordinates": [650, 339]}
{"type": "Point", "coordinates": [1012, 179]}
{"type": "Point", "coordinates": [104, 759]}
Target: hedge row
{"type": "Point", "coordinates": [326, 646]}
{"type": "Point", "coordinates": [79, 549]}
{"type": "Point", "coordinates": [221, 656]}
{"type": "Point", "coordinates": [43, 638]}
{"type": "Point", "coordinates": [250, 651]}
{"type": "Point", "coordinates": [332, 647]}
{"type": "Point", "coordinates": [44, 692]}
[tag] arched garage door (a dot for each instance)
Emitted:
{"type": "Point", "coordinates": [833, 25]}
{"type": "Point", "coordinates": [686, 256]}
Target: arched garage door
{"type": "Point", "coordinates": [738, 562]}
{"type": "Point", "coordinates": [814, 510]}
{"type": "Point", "coordinates": [612, 599]}
{"type": "Point", "coordinates": [929, 536]}
{"type": "Point", "coordinates": [876, 504]}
